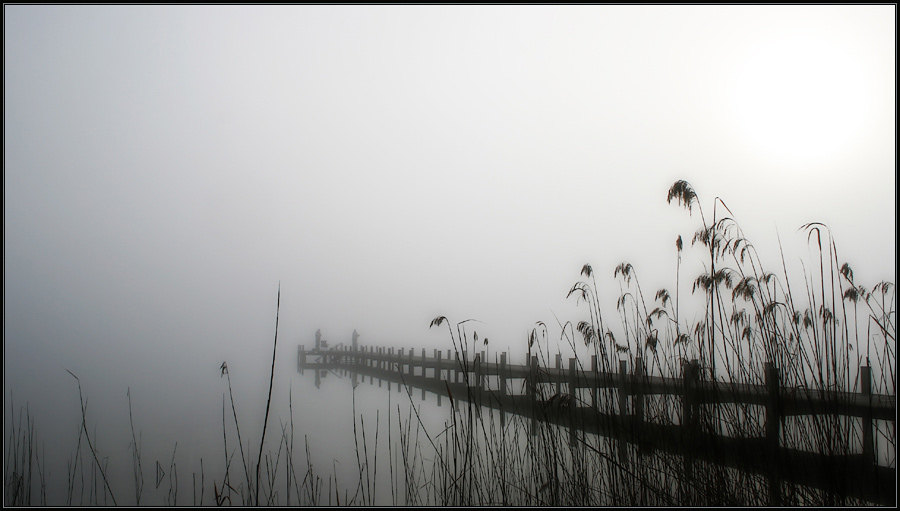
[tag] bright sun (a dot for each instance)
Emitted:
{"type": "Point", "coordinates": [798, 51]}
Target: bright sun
{"type": "Point", "coordinates": [800, 98]}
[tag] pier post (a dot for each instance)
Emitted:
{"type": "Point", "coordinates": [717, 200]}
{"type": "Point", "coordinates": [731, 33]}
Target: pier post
{"type": "Point", "coordinates": [868, 443]}
{"type": "Point", "coordinates": [437, 371]}
{"type": "Point", "coordinates": [389, 363]}
{"type": "Point", "coordinates": [477, 368]}
{"type": "Point", "coordinates": [482, 365]}
{"type": "Point", "coordinates": [532, 391]}
{"type": "Point", "coordinates": [773, 425]}
{"type": "Point", "coordinates": [594, 383]}
{"type": "Point", "coordinates": [450, 370]}
{"type": "Point", "coordinates": [502, 375]}
{"type": "Point", "coordinates": [638, 399]}
{"type": "Point", "coordinates": [355, 343]}
{"type": "Point", "coordinates": [558, 367]}
{"type": "Point", "coordinates": [301, 358]}
{"type": "Point", "coordinates": [689, 373]}
{"type": "Point", "coordinates": [449, 377]}
{"type": "Point", "coordinates": [502, 378]}
{"type": "Point", "coordinates": [623, 408]}
{"type": "Point", "coordinates": [865, 384]}
{"type": "Point", "coordinates": [424, 371]}
{"type": "Point", "coordinates": [573, 396]}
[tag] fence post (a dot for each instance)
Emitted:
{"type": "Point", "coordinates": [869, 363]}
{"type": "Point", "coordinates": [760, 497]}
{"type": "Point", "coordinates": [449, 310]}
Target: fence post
{"type": "Point", "coordinates": [773, 425]}
{"type": "Point", "coordinates": [623, 404]}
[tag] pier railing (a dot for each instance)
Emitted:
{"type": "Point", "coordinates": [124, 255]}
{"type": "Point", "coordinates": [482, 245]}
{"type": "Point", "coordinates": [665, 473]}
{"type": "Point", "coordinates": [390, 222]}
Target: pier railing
{"type": "Point", "coordinates": [615, 404]}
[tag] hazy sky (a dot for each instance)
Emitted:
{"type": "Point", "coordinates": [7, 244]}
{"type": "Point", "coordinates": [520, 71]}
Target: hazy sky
{"type": "Point", "coordinates": [166, 166]}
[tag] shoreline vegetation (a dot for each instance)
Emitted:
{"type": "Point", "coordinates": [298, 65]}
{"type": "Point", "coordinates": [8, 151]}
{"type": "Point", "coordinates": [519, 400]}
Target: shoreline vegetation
{"type": "Point", "coordinates": [817, 332]}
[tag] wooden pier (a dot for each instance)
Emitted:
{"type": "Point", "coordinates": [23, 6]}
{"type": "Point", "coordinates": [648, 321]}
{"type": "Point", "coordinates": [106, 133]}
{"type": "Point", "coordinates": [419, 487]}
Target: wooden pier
{"type": "Point", "coordinates": [571, 397]}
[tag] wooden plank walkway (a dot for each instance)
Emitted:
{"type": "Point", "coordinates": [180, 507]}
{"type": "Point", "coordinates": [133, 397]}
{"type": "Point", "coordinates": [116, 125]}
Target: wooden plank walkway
{"type": "Point", "coordinates": [488, 384]}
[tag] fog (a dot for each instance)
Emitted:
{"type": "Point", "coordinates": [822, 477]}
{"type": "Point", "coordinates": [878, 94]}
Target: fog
{"type": "Point", "coordinates": [167, 168]}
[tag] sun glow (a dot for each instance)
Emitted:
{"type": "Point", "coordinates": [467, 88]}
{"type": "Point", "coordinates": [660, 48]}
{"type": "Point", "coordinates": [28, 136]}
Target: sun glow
{"type": "Point", "coordinates": [800, 98]}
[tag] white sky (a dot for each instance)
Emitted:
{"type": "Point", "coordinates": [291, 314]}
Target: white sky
{"type": "Point", "coordinates": [165, 167]}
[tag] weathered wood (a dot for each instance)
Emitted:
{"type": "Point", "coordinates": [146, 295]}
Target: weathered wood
{"type": "Point", "coordinates": [860, 477]}
{"type": "Point", "coordinates": [503, 388]}
{"type": "Point", "coordinates": [437, 372]}
{"type": "Point", "coordinates": [558, 368]}
{"type": "Point", "coordinates": [773, 429]}
{"type": "Point", "coordinates": [638, 399]}
{"type": "Point", "coordinates": [689, 423]}
{"type": "Point", "coordinates": [532, 392]}
{"type": "Point", "coordinates": [623, 403]}
{"type": "Point", "coordinates": [573, 396]}
{"type": "Point", "coordinates": [868, 442]}
{"type": "Point", "coordinates": [479, 381]}
{"type": "Point", "coordinates": [795, 401]}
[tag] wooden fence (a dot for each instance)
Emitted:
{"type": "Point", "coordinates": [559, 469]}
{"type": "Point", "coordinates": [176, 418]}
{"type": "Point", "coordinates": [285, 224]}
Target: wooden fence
{"type": "Point", "coordinates": [624, 397]}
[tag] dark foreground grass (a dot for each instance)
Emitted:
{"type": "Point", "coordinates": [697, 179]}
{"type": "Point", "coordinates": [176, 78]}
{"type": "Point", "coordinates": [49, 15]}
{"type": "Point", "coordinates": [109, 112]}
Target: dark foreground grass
{"type": "Point", "coordinates": [816, 331]}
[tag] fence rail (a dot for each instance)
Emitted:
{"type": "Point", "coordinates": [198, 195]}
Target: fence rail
{"type": "Point", "coordinates": [489, 384]}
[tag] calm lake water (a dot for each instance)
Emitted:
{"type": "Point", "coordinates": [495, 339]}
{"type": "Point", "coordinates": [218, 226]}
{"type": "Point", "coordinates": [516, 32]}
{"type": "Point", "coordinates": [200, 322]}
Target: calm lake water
{"type": "Point", "coordinates": [335, 427]}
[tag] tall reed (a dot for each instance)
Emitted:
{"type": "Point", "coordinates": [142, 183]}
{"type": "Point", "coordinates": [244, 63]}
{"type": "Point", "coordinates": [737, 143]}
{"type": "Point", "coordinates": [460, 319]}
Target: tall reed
{"type": "Point", "coordinates": [753, 318]}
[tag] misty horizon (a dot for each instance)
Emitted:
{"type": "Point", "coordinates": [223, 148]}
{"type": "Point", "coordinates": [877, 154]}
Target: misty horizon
{"type": "Point", "coordinates": [168, 168]}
